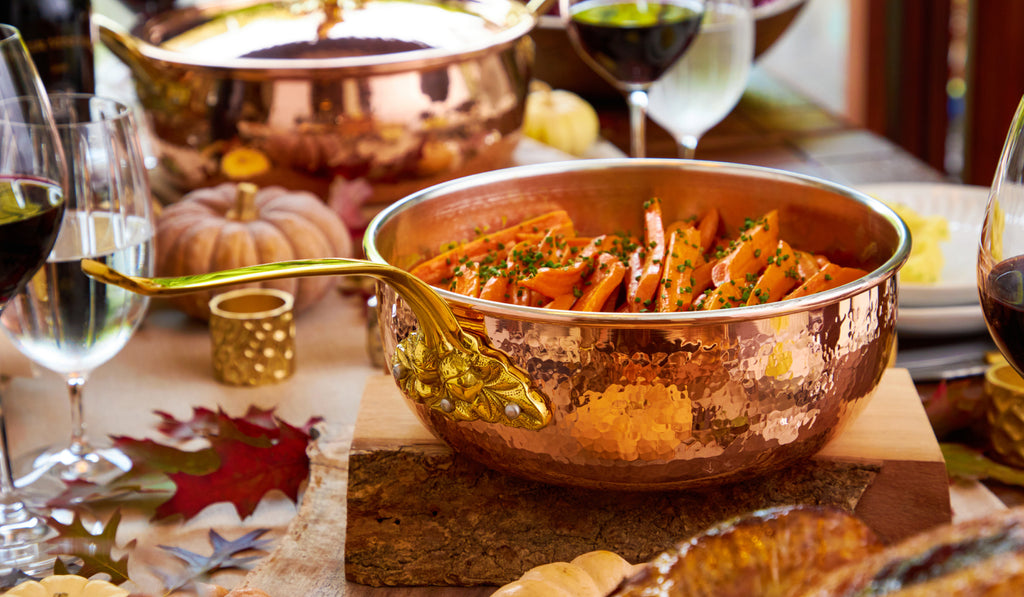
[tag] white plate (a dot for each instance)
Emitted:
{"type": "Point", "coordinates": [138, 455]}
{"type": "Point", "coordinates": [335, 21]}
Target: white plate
{"type": "Point", "coordinates": [963, 206]}
{"type": "Point", "coordinates": [940, 321]}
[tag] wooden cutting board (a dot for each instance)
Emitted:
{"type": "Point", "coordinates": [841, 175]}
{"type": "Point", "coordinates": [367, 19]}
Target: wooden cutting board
{"type": "Point", "coordinates": [886, 466]}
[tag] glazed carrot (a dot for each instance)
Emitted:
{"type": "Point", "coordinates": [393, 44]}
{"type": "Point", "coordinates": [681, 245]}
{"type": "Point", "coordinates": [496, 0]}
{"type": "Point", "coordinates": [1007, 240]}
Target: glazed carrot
{"type": "Point", "coordinates": [466, 279]}
{"type": "Point", "coordinates": [683, 255]}
{"type": "Point", "coordinates": [830, 276]}
{"type": "Point", "coordinates": [806, 265]}
{"type": "Point", "coordinates": [557, 281]}
{"type": "Point", "coordinates": [563, 302]}
{"type": "Point", "coordinates": [439, 268]}
{"type": "Point", "coordinates": [778, 278]}
{"type": "Point", "coordinates": [645, 263]}
{"type": "Point", "coordinates": [749, 254]}
{"type": "Point", "coordinates": [708, 226]}
{"type": "Point", "coordinates": [701, 279]}
{"type": "Point", "coordinates": [495, 289]}
{"type": "Point", "coordinates": [729, 294]}
{"type": "Point", "coordinates": [608, 274]}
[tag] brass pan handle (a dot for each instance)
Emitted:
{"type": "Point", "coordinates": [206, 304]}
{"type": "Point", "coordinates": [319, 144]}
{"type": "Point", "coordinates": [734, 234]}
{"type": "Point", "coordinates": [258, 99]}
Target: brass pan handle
{"type": "Point", "coordinates": [454, 372]}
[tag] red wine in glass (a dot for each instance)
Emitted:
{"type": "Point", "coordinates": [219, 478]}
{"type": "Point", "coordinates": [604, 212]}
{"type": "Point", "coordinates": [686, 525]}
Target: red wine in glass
{"type": "Point", "coordinates": [635, 43]}
{"type": "Point", "coordinates": [631, 43]}
{"type": "Point", "coordinates": [30, 215]}
{"type": "Point", "coordinates": [1002, 300]}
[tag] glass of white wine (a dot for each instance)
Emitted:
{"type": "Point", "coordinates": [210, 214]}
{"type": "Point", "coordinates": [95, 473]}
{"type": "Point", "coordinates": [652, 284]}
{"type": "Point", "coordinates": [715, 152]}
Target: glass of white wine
{"type": "Point", "coordinates": [64, 320]}
{"type": "Point", "coordinates": [705, 85]}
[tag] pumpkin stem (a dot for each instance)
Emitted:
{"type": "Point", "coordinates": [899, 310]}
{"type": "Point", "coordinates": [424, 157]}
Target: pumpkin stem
{"type": "Point", "coordinates": [245, 203]}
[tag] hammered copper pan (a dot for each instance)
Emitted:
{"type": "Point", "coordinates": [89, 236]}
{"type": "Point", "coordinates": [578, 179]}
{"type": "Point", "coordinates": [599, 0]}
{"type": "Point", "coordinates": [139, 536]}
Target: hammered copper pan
{"type": "Point", "coordinates": [657, 401]}
{"type": "Point", "coordinates": [623, 400]}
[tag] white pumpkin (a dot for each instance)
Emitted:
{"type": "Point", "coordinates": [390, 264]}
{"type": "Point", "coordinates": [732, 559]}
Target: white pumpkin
{"type": "Point", "coordinates": [561, 119]}
{"type": "Point", "coordinates": [66, 585]}
{"type": "Point", "coordinates": [593, 574]}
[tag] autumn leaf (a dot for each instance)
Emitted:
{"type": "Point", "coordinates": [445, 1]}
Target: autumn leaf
{"type": "Point", "coordinates": [250, 468]}
{"type": "Point", "coordinates": [232, 459]}
{"type": "Point", "coordinates": [966, 463]}
{"type": "Point", "coordinates": [12, 578]}
{"type": "Point", "coordinates": [81, 496]}
{"type": "Point", "coordinates": [226, 555]}
{"type": "Point", "coordinates": [149, 455]}
{"type": "Point", "coordinates": [95, 551]}
{"type": "Point", "coordinates": [203, 422]}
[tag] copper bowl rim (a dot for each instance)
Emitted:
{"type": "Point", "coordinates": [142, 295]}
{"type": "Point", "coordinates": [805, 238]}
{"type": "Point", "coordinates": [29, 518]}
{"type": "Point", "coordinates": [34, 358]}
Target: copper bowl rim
{"type": "Point", "coordinates": [519, 21]}
{"type": "Point", "coordinates": [875, 277]}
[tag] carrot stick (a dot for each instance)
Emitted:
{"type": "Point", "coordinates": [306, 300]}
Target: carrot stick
{"type": "Point", "coordinates": [778, 278]}
{"type": "Point", "coordinates": [830, 276]}
{"type": "Point", "coordinates": [563, 302]}
{"type": "Point", "coordinates": [607, 276]}
{"type": "Point", "coordinates": [439, 268]}
{"type": "Point", "coordinates": [750, 252]}
{"type": "Point", "coordinates": [708, 226]}
{"type": "Point", "coordinates": [556, 281]}
{"type": "Point", "coordinates": [806, 265]}
{"type": "Point", "coordinates": [466, 279]}
{"type": "Point", "coordinates": [683, 255]}
{"type": "Point", "coordinates": [495, 289]}
{"type": "Point", "coordinates": [729, 294]}
{"type": "Point", "coordinates": [646, 261]}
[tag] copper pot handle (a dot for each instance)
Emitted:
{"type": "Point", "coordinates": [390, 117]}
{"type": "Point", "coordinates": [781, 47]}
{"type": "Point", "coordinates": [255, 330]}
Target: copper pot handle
{"type": "Point", "coordinates": [448, 369]}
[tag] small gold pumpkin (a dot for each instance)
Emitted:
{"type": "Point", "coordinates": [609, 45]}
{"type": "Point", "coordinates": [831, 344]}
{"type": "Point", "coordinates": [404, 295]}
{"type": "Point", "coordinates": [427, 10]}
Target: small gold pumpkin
{"type": "Point", "coordinates": [236, 225]}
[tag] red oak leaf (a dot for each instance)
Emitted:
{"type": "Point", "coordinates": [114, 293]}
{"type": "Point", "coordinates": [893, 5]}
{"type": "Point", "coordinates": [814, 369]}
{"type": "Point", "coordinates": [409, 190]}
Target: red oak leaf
{"type": "Point", "coordinates": [250, 467]}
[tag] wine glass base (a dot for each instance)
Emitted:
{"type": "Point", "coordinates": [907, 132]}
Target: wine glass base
{"type": "Point", "coordinates": [54, 468]}
{"type": "Point", "coordinates": [23, 536]}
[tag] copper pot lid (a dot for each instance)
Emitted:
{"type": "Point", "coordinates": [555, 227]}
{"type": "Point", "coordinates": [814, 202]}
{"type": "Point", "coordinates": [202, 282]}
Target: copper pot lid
{"type": "Point", "coordinates": [331, 33]}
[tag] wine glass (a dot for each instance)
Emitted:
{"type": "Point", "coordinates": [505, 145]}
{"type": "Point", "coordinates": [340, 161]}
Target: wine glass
{"type": "Point", "coordinates": [32, 183]}
{"type": "Point", "coordinates": [706, 83]}
{"type": "Point", "coordinates": [64, 320]}
{"type": "Point", "coordinates": [1001, 250]}
{"type": "Point", "coordinates": [631, 43]}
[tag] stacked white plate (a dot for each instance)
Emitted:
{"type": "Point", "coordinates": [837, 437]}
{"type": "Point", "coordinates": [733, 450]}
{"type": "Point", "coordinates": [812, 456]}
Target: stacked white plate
{"type": "Point", "coordinates": [949, 307]}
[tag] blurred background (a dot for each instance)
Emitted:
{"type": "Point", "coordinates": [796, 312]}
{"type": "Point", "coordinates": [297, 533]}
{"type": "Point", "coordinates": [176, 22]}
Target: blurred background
{"type": "Point", "coordinates": [941, 78]}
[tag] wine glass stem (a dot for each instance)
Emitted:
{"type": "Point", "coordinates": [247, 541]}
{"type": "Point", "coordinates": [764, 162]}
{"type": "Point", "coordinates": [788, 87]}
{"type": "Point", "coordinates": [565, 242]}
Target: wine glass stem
{"type": "Point", "coordinates": [79, 444]}
{"type": "Point", "coordinates": [6, 472]}
{"type": "Point", "coordinates": [687, 145]}
{"type": "Point", "coordinates": [637, 100]}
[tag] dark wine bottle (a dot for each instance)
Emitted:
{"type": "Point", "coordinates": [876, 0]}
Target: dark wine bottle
{"type": "Point", "coordinates": [58, 35]}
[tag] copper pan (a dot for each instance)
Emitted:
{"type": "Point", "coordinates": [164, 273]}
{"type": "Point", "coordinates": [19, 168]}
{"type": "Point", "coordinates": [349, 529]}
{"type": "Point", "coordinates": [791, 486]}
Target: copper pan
{"type": "Point", "coordinates": [401, 94]}
{"type": "Point", "coordinates": [633, 401]}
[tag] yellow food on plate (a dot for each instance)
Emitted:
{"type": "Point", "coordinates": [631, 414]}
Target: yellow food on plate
{"type": "Point", "coordinates": [927, 233]}
{"type": "Point", "coordinates": [66, 585]}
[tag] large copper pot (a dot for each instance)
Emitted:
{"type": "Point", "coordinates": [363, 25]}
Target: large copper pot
{"type": "Point", "coordinates": [633, 401]}
{"type": "Point", "coordinates": [397, 93]}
